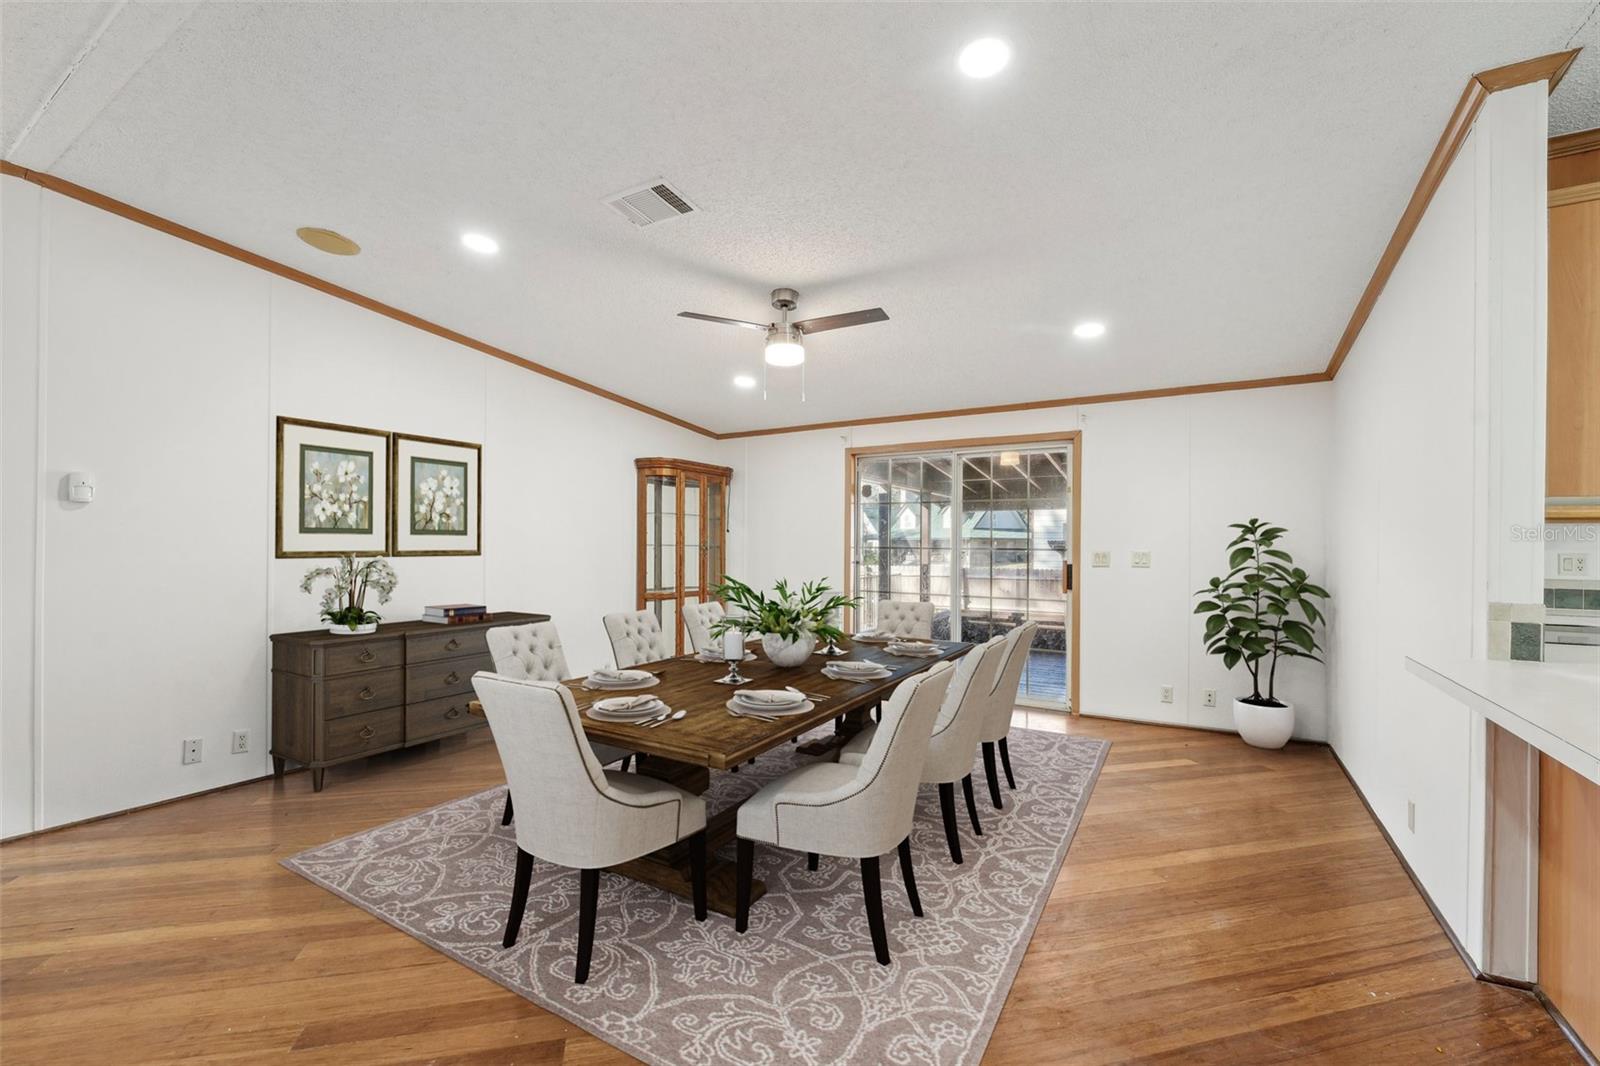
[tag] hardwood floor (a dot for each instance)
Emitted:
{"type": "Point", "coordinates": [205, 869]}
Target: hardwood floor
{"type": "Point", "coordinates": [1219, 905]}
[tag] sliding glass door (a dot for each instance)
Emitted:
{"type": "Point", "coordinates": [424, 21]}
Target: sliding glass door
{"type": "Point", "coordinates": [985, 535]}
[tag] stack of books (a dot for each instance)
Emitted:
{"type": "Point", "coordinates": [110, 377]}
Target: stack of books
{"type": "Point", "coordinates": [454, 614]}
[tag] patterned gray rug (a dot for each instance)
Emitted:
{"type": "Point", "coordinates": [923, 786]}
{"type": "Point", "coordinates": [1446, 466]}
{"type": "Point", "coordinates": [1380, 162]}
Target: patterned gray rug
{"type": "Point", "coordinates": [801, 987]}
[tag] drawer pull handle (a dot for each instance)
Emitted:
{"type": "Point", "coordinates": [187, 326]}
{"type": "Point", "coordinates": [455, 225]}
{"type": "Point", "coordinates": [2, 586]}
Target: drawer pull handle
{"type": "Point", "coordinates": [451, 678]}
{"type": "Point", "coordinates": [367, 656]}
{"type": "Point", "coordinates": [454, 712]}
{"type": "Point", "coordinates": [453, 645]}
{"type": "Point", "coordinates": [365, 694]}
{"type": "Point", "coordinates": [368, 733]}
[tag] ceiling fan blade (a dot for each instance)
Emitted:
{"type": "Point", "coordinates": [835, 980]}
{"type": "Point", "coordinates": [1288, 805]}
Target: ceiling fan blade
{"type": "Point", "coordinates": [762, 326]}
{"type": "Point", "coordinates": [850, 318]}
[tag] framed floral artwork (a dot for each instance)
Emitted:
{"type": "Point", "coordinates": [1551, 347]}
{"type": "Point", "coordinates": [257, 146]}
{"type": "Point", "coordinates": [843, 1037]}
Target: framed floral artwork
{"type": "Point", "coordinates": [333, 489]}
{"type": "Point", "coordinates": [437, 502]}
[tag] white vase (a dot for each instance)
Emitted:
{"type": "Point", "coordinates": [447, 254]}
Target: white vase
{"type": "Point", "coordinates": [1264, 727]}
{"type": "Point", "coordinates": [788, 651]}
{"type": "Point", "coordinates": [346, 631]}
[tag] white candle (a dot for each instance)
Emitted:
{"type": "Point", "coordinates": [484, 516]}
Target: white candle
{"type": "Point", "coordinates": [733, 646]}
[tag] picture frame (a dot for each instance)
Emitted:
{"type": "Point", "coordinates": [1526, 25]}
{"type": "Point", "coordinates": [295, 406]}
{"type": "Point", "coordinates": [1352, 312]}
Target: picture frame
{"type": "Point", "coordinates": [436, 503]}
{"type": "Point", "coordinates": [333, 491]}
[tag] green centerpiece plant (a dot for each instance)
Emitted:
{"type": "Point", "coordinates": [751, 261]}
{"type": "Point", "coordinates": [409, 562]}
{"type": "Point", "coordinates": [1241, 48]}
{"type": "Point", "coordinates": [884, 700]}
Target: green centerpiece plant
{"type": "Point", "coordinates": [788, 622]}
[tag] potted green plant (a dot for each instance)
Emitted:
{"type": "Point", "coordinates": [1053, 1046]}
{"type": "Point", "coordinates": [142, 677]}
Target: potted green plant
{"type": "Point", "coordinates": [1261, 611]}
{"type": "Point", "coordinates": [344, 602]}
{"type": "Point", "coordinates": [788, 622]}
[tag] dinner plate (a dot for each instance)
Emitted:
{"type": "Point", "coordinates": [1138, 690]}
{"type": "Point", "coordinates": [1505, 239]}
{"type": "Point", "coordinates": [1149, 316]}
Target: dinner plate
{"type": "Point", "coordinates": [859, 666]}
{"type": "Point", "coordinates": [870, 638]}
{"type": "Point", "coordinates": [757, 699]}
{"type": "Point", "coordinates": [718, 659]}
{"type": "Point", "coordinates": [613, 713]}
{"type": "Point", "coordinates": [775, 712]}
{"type": "Point", "coordinates": [649, 681]}
{"type": "Point", "coordinates": [915, 651]}
{"type": "Point", "coordinates": [858, 675]}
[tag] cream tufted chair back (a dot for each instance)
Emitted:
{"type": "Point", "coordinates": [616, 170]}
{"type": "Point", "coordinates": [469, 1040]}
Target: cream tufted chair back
{"type": "Point", "coordinates": [529, 652]}
{"type": "Point", "coordinates": [905, 618]}
{"type": "Point", "coordinates": [636, 637]}
{"type": "Point", "coordinates": [1003, 694]}
{"type": "Point", "coordinates": [698, 618]}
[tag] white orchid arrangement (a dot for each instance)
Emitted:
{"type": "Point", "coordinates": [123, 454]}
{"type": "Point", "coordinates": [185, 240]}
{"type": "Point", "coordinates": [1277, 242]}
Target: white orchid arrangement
{"type": "Point", "coordinates": [344, 601]}
{"type": "Point", "coordinates": [336, 495]}
{"type": "Point", "coordinates": [439, 502]}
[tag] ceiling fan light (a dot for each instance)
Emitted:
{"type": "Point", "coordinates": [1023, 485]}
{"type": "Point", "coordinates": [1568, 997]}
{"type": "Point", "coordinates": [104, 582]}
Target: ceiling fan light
{"type": "Point", "coordinates": [784, 347]}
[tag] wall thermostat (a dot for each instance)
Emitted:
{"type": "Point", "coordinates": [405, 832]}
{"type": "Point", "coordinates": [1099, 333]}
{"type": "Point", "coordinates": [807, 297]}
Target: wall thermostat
{"type": "Point", "coordinates": [80, 487]}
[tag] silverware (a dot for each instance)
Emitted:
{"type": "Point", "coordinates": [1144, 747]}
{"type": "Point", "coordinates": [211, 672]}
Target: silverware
{"type": "Point", "coordinates": [673, 717]}
{"type": "Point", "coordinates": [751, 714]}
{"type": "Point", "coordinates": [657, 720]}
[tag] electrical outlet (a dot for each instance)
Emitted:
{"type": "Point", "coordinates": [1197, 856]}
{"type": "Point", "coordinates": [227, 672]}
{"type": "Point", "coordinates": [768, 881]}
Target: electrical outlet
{"type": "Point", "coordinates": [1411, 816]}
{"type": "Point", "coordinates": [191, 750]}
{"type": "Point", "coordinates": [241, 741]}
{"type": "Point", "coordinates": [1572, 564]}
{"type": "Point", "coordinates": [1100, 559]}
{"type": "Point", "coordinates": [1166, 693]}
{"type": "Point", "coordinates": [1141, 560]}
{"type": "Point", "coordinates": [1208, 697]}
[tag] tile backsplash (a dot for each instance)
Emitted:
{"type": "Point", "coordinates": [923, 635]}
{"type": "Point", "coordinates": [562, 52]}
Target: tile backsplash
{"type": "Point", "coordinates": [1516, 631]}
{"type": "Point", "coordinates": [1573, 595]}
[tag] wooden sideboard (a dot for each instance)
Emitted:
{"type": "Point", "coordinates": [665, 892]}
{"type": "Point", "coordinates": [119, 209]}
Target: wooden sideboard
{"type": "Point", "coordinates": [339, 698]}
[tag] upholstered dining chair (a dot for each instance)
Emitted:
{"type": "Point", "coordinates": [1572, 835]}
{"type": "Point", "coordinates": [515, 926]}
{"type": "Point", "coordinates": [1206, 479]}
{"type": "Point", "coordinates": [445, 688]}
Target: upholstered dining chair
{"type": "Point", "coordinates": [532, 652]}
{"type": "Point", "coordinates": [588, 817]}
{"type": "Point", "coordinates": [954, 743]}
{"type": "Point", "coordinates": [905, 618]}
{"type": "Point", "coordinates": [1002, 701]}
{"type": "Point", "coordinates": [856, 812]}
{"type": "Point", "coordinates": [636, 637]}
{"type": "Point", "coordinates": [698, 618]}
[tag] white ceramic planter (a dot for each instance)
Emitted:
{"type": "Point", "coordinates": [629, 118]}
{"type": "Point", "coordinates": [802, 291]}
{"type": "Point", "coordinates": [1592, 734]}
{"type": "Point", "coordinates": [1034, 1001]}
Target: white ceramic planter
{"type": "Point", "coordinates": [1264, 727]}
{"type": "Point", "coordinates": [786, 652]}
{"type": "Point", "coordinates": [346, 631]}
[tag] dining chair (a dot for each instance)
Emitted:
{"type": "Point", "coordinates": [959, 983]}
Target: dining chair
{"type": "Point", "coordinates": [905, 618]}
{"type": "Point", "coordinates": [954, 743]}
{"type": "Point", "coordinates": [698, 618]}
{"type": "Point", "coordinates": [532, 652]}
{"type": "Point", "coordinates": [588, 817]}
{"type": "Point", "coordinates": [858, 812]}
{"type": "Point", "coordinates": [636, 637]}
{"type": "Point", "coordinates": [1002, 701]}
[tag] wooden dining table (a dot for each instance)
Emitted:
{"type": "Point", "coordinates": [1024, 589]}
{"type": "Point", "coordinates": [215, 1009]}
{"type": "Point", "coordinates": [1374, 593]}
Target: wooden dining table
{"type": "Point", "coordinates": [685, 751]}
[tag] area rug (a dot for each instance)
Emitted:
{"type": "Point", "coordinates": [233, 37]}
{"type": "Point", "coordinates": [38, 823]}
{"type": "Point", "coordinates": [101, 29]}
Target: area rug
{"type": "Point", "coordinates": [802, 986]}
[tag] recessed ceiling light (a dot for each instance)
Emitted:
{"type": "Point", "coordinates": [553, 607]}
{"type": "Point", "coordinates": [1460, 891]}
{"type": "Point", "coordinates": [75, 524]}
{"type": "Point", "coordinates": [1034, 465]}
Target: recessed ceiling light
{"type": "Point", "coordinates": [480, 243]}
{"type": "Point", "coordinates": [744, 381]}
{"type": "Point", "coordinates": [1088, 331]}
{"type": "Point", "coordinates": [984, 58]}
{"type": "Point", "coordinates": [326, 240]}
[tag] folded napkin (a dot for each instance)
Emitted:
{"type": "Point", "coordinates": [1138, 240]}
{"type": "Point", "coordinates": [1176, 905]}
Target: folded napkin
{"type": "Point", "coordinates": [769, 696]}
{"type": "Point", "coordinates": [608, 673]}
{"type": "Point", "coordinates": [631, 703]}
{"type": "Point", "coordinates": [856, 666]}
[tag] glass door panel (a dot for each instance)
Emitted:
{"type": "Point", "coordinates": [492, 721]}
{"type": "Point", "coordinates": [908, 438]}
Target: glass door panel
{"type": "Point", "coordinates": [661, 533]}
{"type": "Point", "coordinates": [714, 536]}
{"type": "Point", "coordinates": [691, 533]}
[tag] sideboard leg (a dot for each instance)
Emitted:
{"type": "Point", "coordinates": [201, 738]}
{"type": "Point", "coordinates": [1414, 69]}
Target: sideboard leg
{"type": "Point", "coordinates": [277, 766]}
{"type": "Point", "coordinates": [316, 778]}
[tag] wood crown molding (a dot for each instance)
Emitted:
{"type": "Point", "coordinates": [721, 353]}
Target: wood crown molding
{"type": "Point", "coordinates": [1549, 68]}
{"type": "Point", "coordinates": [1574, 143]}
{"type": "Point", "coordinates": [1574, 194]}
{"type": "Point", "coordinates": [73, 191]}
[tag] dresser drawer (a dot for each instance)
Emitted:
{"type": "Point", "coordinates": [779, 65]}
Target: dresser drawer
{"type": "Point", "coordinates": [357, 733]}
{"type": "Point", "coordinates": [361, 654]}
{"type": "Point", "coordinates": [444, 677]}
{"type": "Point", "coordinates": [356, 693]}
{"type": "Point", "coordinates": [437, 718]}
{"type": "Point", "coordinates": [451, 642]}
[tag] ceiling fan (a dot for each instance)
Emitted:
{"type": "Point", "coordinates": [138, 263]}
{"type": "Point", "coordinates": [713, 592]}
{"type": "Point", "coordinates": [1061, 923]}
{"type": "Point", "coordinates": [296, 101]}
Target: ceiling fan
{"type": "Point", "coordinates": [785, 339]}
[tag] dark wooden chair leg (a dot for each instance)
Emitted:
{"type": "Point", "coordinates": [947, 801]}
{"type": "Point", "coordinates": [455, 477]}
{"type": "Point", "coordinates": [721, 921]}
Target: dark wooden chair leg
{"type": "Point", "coordinates": [909, 877]}
{"type": "Point", "coordinates": [316, 778]}
{"type": "Point", "coordinates": [811, 860]}
{"type": "Point", "coordinates": [745, 873]}
{"type": "Point", "coordinates": [1005, 761]}
{"type": "Point", "coordinates": [697, 873]}
{"type": "Point", "coordinates": [519, 898]}
{"type": "Point", "coordinates": [877, 712]}
{"type": "Point", "coordinates": [277, 765]}
{"type": "Point", "coordinates": [972, 808]}
{"type": "Point", "coordinates": [872, 889]}
{"type": "Point", "coordinates": [994, 780]}
{"type": "Point", "coordinates": [947, 807]}
{"type": "Point", "coordinates": [588, 901]}
{"type": "Point", "coordinates": [623, 765]}
{"type": "Point", "coordinates": [505, 815]}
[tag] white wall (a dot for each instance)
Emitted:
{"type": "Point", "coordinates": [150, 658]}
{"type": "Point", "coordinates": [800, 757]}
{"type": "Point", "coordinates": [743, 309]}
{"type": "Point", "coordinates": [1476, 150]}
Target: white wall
{"type": "Point", "coordinates": [164, 367]}
{"type": "Point", "coordinates": [1433, 468]}
{"type": "Point", "coordinates": [1164, 475]}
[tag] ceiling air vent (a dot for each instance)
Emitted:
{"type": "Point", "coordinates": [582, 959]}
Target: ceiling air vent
{"type": "Point", "coordinates": [654, 201]}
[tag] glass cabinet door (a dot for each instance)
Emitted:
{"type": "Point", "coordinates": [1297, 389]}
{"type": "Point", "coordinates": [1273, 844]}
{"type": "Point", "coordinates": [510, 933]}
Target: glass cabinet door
{"type": "Point", "coordinates": [682, 538]}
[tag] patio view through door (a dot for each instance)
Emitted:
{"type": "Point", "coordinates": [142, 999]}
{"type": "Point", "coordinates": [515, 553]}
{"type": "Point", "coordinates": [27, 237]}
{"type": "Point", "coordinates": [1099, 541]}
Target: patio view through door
{"type": "Point", "coordinates": [984, 533]}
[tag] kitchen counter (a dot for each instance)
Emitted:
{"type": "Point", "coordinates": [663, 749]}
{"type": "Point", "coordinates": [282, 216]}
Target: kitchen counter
{"type": "Point", "coordinates": [1555, 707]}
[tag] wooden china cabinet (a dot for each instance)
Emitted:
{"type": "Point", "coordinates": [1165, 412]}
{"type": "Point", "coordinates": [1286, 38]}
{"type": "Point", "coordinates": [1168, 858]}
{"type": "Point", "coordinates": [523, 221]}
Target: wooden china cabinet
{"type": "Point", "coordinates": [683, 537]}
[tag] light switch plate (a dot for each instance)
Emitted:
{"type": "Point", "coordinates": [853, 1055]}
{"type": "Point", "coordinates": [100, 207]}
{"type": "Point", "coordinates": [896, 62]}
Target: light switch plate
{"type": "Point", "coordinates": [1141, 560]}
{"type": "Point", "coordinates": [1100, 559]}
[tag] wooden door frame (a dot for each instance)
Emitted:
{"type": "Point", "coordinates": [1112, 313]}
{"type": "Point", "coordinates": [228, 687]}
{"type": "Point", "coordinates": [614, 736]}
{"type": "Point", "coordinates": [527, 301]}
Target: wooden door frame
{"type": "Point", "coordinates": [1073, 437]}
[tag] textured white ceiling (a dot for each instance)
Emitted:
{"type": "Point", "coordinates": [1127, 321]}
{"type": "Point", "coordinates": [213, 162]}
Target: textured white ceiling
{"type": "Point", "coordinates": [1575, 105]}
{"type": "Point", "coordinates": [1216, 182]}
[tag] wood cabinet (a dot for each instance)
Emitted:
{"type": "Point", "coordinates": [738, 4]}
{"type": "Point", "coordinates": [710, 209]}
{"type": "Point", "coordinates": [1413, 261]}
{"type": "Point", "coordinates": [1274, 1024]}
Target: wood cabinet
{"type": "Point", "coordinates": [338, 698]}
{"type": "Point", "coordinates": [1569, 896]}
{"type": "Point", "coordinates": [1572, 410]}
{"type": "Point", "coordinates": [683, 537]}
